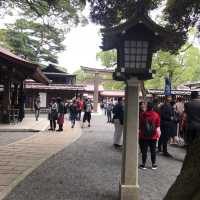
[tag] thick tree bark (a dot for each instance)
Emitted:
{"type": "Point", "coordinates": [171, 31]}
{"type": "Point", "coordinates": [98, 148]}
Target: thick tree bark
{"type": "Point", "coordinates": [187, 184]}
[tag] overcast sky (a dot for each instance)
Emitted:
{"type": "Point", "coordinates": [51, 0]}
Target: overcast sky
{"type": "Point", "coordinates": [82, 44]}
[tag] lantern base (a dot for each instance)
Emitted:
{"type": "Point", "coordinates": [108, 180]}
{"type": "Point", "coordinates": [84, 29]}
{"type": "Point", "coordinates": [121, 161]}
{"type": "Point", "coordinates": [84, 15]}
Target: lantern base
{"type": "Point", "coordinates": [129, 192]}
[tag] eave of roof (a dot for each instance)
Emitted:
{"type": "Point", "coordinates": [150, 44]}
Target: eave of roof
{"type": "Point", "coordinates": [35, 71]}
{"type": "Point", "coordinates": [88, 69]}
{"type": "Point", "coordinates": [61, 87]}
{"type": "Point", "coordinates": [175, 92]}
{"type": "Point", "coordinates": [59, 74]}
{"type": "Point", "coordinates": [113, 93]}
{"type": "Point", "coordinates": [57, 68]}
{"type": "Point", "coordinates": [192, 84]}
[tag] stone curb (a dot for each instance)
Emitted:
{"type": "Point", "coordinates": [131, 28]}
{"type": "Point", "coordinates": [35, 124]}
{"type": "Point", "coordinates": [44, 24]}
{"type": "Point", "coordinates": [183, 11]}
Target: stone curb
{"type": "Point", "coordinates": [20, 130]}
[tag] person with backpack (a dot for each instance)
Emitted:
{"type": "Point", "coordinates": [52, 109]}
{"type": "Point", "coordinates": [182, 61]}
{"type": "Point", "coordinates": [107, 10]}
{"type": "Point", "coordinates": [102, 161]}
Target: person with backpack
{"type": "Point", "coordinates": [87, 112]}
{"type": "Point", "coordinates": [149, 133]}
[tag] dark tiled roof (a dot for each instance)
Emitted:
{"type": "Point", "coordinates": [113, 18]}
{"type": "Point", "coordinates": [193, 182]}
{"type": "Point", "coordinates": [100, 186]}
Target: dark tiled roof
{"type": "Point", "coordinates": [16, 61]}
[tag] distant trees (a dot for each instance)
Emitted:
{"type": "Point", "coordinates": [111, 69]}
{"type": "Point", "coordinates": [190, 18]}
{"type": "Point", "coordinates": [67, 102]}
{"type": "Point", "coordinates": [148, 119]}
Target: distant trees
{"type": "Point", "coordinates": [107, 58]}
{"type": "Point", "coordinates": [38, 33]}
{"type": "Point", "coordinates": [34, 41]}
{"type": "Point", "coordinates": [49, 11]}
{"type": "Point", "coordinates": [179, 15]}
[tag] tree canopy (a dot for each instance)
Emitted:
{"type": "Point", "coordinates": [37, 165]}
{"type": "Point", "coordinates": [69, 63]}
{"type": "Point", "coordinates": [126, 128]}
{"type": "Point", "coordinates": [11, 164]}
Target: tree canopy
{"type": "Point", "coordinates": [49, 11]}
{"type": "Point", "coordinates": [182, 14]}
{"type": "Point", "coordinates": [38, 32]}
{"type": "Point", "coordinates": [34, 41]}
{"type": "Point", "coordinates": [112, 12]}
{"type": "Point", "coordinates": [178, 15]}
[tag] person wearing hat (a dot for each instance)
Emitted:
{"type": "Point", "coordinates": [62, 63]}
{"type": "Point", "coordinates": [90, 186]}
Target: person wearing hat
{"type": "Point", "coordinates": [149, 133]}
{"type": "Point", "coordinates": [192, 111]}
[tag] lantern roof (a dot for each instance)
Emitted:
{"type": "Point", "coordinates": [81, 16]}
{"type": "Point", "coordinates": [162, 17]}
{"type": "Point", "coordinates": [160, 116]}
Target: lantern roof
{"type": "Point", "coordinates": [162, 38]}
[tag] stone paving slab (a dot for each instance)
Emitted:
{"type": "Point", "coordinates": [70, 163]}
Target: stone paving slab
{"type": "Point", "coordinates": [19, 159]}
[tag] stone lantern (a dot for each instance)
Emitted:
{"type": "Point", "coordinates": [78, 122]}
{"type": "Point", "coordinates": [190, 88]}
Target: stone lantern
{"type": "Point", "coordinates": [135, 41]}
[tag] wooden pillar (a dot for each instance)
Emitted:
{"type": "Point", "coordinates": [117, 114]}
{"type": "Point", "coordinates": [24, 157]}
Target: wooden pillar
{"type": "Point", "coordinates": [21, 102]}
{"type": "Point", "coordinates": [129, 188]}
{"type": "Point", "coordinates": [96, 91]}
{"type": "Point", "coordinates": [14, 97]}
{"type": "Point", "coordinates": [6, 94]}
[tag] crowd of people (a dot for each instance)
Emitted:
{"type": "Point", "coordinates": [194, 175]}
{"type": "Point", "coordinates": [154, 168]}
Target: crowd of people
{"type": "Point", "coordinates": [173, 121]}
{"type": "Point", "coordinates": [114, 110]}
{"type": "Point", "coordinates": [74, 107]}
{"type": "Point", "coordinates": [166, 123]}
{"type": "Point", "coordinates": [160, 123]}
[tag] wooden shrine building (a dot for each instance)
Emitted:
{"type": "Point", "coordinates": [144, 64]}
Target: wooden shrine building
{"type": "Point", "coordinates": [13, 71]}
{"type": "Point", "coordinates": [62, 84]}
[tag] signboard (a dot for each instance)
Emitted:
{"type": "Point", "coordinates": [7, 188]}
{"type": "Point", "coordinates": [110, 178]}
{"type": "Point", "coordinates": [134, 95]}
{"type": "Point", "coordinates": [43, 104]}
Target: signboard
{"type": "Point", "coordinates": [43, 99]}
{"type": "Point", "coordinates": [168, 88]}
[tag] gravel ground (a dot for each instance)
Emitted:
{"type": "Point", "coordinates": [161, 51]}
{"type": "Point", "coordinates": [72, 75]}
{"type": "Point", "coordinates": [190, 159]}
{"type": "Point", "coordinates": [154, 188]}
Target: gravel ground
{"type": "Point", "coordinates": [90, 169]}
{"type": "Point", "coordinates": [10, 137]}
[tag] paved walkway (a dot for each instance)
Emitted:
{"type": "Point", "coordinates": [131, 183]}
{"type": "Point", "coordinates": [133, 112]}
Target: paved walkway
{"type": "Point", "coordinates": [28, 124]}
{"type": "Point", "coordinates": [20, 158]}
{"type": "Point", "coordinates": [90, 169]}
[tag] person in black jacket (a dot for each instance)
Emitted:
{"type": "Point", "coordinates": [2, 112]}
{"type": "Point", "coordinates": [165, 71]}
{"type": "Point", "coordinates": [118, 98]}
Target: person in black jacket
{"type": "Point", "coordinates": [61, 112]}
{"type": "Point", "coordinates": [166, 124]}
{"type": "Point", "coordinates": [118, 117]}
{"type": "Point", "coordinates": [73, 110]}
{"type": "Point", "coordinates": [192, 110]}
{"type": "Point", "coordinates": [175, 121]}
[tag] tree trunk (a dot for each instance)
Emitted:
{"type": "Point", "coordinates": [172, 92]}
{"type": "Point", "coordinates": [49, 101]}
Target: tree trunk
{"type": "Point", "coordinates": [143, 90]}
{"type": "Point", "coordinates": [186, 186]}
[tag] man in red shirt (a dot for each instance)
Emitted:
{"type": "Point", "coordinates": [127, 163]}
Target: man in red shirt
{"type": "Point", "coordinates": [149, 134]}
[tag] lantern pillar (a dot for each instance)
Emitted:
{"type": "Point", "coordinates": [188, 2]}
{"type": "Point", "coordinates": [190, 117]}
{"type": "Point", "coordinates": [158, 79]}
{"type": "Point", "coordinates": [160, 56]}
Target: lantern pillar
{"type": "Point", "coordinates": [129, 188]}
